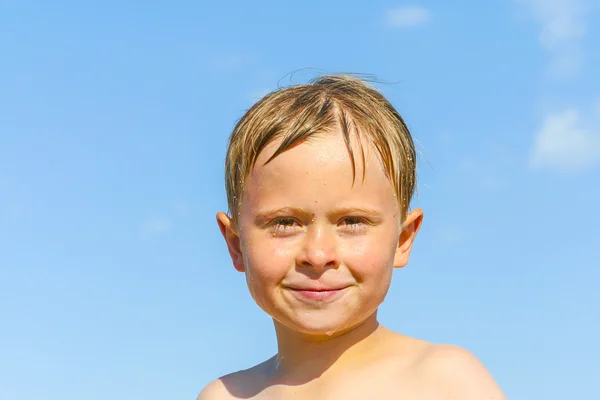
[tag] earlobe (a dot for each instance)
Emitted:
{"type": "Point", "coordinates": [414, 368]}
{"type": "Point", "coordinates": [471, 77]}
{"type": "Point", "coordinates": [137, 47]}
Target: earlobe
{"type": "Point", "coordinates": [410, 228]}
{"type": "Point", "coordinates": [231, 236]}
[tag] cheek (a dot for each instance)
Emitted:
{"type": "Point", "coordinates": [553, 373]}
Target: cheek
{"type": "Point", "coordinates": [267, 262]}
{"type": "Point", "coordinates": [371, 259]}
{"type": "Point", "coordinates": [266, 266]}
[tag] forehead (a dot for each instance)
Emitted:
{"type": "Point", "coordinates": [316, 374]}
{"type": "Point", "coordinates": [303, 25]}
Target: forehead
{"type": "Point", "coordinates": [319, 169]}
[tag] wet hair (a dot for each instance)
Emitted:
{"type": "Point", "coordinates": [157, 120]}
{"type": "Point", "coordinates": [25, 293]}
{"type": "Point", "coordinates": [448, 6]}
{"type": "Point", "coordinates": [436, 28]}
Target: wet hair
{"type": "Point", "coordinates": [293, 114]}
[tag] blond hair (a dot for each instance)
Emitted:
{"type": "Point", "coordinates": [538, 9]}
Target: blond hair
{"type": "Point", "coordinates": [298, 112]}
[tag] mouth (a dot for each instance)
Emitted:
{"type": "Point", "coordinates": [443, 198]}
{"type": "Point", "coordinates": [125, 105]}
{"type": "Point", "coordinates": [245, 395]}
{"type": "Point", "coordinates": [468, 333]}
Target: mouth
{"type": "Point", "coordinates": [317, 294]}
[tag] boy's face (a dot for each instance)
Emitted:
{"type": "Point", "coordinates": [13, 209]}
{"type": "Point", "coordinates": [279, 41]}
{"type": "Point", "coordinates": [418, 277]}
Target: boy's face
{"type": "Point", "coordinates": [318, 247]}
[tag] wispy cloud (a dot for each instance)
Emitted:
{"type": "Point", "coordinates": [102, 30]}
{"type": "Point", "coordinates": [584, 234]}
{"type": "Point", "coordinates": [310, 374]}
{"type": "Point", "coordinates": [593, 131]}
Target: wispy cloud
{"type": "Point", "coordinates": [562, 25]}
{"type": "Point", "coordinates": [181, 209]}
{"type": "Point", "coordinates": [407, 16]}
{"type": "Point", "coordinates": [447, 235]}
{"type": "Point", "coordinates": [160, 225]}
{"type": "Point", "coordinates": [155, 226]}
{"type": "Point", "coordinates": [567, 142]}
{"type": "Point", "coordinates": [486, 174]}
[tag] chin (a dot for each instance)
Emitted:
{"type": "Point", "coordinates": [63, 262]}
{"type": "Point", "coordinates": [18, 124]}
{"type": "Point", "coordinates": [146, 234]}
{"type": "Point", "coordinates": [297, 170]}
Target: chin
{"type": "Point", "coordinates": [321, 327]}
{"type": "Point", "coordinates": [326, 329]}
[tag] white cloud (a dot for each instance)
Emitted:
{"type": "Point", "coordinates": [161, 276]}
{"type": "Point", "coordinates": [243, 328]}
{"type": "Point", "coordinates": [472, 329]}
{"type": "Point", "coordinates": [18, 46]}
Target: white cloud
{"type": "Point", "coordinates": [408, 16]}
{"type": "Point", "coordinates": [450, 235]}
{"type": "Point", "coordinates": [156, 226]}
{"type": "Point", "coordinates": [566, 143]}
{"type": "Point", "coordinates": [562, 25]}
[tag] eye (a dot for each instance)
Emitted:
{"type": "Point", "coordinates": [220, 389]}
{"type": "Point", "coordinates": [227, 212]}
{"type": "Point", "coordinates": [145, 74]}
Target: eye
{"type": "Point", "coordinates": [352, 220]}
{"type": "Point", "coordinates": [283, 226]}
{"type": "Point", "coordinates": [353, 224]}
{"type": "Point", "coordinates": [285, 221]}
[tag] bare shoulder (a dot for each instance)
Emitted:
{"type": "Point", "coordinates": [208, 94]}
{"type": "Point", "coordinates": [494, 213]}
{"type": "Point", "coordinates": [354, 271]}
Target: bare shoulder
{"type": "Point", "coordinates": [215, 390]}
{"type": "Point", "coordinates": [243, 384]}
{"type": "Point", "coordinates": [457, 373]}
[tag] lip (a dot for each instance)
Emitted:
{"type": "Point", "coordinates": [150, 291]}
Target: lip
{"type": "Point", "coordinates": [320, 294]}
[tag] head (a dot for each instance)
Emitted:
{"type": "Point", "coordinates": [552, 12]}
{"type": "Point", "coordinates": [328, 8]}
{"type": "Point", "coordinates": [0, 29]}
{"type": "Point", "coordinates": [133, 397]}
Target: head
{"type": "Point", "coordinates": [319, 180]}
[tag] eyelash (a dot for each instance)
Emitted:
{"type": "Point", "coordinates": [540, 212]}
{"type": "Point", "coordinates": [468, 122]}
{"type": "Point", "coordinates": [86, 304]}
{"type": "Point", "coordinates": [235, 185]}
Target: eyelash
{"type": "Point", "coordinates": [282, 226]}
{"type": "Point", "coordinates": [357, 225]}
{"type": "Point", "coordinates": [286, 225]}
{"type": "Point", "coordinates": [357, 220]}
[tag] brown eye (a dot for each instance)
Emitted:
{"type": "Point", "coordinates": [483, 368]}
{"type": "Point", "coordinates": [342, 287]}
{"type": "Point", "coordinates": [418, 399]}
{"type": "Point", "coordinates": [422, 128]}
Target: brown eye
{"type": "Point", "coordinates": [285, 221]}
{"type": "Point", "coordinates": [354, 225]}
{"type": "Point", "coordinates": [353, 220]}
{"type": "Point", "coordinates": [283, 226]}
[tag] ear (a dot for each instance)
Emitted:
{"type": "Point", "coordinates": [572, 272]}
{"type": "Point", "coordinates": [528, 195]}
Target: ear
{"type": "Point", "coordinates": [410, 228]}
{"type": "Point", "coordinates": [232, 238]}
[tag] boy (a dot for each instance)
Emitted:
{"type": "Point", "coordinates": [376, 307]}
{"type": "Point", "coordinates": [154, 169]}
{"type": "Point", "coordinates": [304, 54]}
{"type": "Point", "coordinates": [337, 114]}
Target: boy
{"type": "Point", "coordinates": [319, 178]}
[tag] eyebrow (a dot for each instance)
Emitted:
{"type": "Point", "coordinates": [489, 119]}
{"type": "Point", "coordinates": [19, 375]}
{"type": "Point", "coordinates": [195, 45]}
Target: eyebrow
{"type": "Point", "coordinates": [355, 210]}
{"type": "Point", "coordinates": [266, 215]}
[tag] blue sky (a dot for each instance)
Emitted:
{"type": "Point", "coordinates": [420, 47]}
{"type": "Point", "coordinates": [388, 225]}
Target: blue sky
{"type": "Point", "coordinates": [114, 280]}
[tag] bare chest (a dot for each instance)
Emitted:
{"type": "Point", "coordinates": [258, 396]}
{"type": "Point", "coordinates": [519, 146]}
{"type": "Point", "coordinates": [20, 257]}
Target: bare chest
{"type": "Point", "coordinates": [354, 387]}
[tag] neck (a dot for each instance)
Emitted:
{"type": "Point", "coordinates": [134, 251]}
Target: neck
{"type": "Point", "coordinates": [302, 358]}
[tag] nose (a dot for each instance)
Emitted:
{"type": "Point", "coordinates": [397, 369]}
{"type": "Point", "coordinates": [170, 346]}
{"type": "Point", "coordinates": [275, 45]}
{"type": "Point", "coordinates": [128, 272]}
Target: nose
{"type": "Point", "coordinates": [319, 251]}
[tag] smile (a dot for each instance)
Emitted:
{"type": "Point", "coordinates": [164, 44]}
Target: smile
{"type": "Point", "coordinates": [317, 294]}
